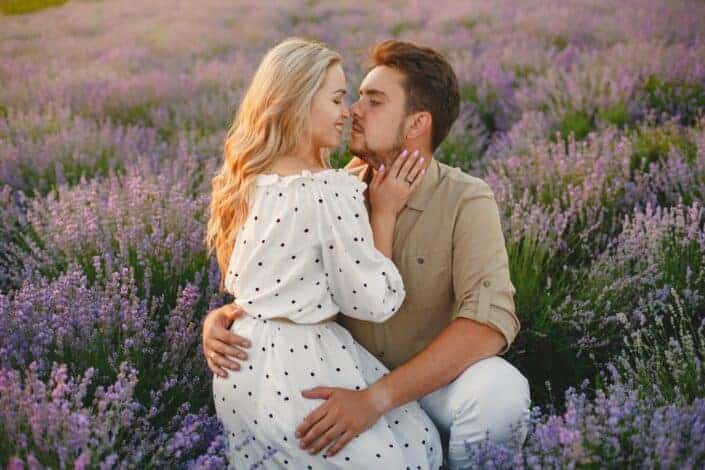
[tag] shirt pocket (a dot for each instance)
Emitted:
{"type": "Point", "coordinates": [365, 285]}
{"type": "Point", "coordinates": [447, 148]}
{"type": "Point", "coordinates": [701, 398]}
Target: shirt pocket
{"type": "Point", "coordinates": [427, 279]}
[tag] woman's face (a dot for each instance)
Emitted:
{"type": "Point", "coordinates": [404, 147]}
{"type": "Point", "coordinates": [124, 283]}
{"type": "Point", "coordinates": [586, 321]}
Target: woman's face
{"type": "Point", "coordinates": [328, 110]}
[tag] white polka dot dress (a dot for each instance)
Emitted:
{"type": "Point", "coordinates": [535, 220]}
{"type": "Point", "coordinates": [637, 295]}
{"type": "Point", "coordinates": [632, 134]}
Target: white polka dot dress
{"type": "Point", "coordinates": [305, 253]}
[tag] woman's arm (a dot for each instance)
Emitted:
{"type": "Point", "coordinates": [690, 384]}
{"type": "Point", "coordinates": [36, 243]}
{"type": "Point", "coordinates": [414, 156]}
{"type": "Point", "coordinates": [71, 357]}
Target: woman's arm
{"type": "Point", "coordinates": [388, 192]}
{"type": "Point", "coordinates": [383, 224]}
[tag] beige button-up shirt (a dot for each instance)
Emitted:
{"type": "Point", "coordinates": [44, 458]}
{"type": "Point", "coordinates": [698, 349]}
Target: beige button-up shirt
{"type": "Point", "coordinates": [450, 250]}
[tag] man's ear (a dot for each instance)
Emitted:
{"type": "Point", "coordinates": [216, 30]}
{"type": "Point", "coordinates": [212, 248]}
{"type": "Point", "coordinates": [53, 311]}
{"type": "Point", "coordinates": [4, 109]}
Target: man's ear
{"type": "Point", "coordinates": [418, 124]}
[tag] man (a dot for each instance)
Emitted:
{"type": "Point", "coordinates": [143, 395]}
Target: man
{"type": "Point", "coordinates": [443, 344]}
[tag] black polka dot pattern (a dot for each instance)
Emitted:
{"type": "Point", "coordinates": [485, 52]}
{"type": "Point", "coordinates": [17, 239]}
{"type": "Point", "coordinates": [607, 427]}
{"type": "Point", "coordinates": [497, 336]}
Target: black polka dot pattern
{"type": "Point", "coordinates": [306, 253]}
{"type": "Point", "coordinates": [334, 256]}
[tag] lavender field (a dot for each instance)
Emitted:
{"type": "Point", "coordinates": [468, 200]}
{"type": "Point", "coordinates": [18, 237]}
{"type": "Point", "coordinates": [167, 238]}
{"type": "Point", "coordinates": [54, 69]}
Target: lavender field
{"type": "Point", "coordinates": [587, 119]}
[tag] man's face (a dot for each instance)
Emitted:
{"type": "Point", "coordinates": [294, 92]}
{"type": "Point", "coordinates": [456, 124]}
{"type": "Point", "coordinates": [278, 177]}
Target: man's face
{"type": "Point", "coordinates": [377, 134]}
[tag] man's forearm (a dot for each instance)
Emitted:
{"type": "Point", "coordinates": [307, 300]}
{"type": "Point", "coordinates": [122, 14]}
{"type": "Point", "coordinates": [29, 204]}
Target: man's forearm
{"type": "Point", "coordinates": [456, 348]}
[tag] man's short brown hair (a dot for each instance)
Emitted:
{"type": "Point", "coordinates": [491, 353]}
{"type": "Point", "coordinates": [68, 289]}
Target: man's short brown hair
{"type": "Point", "coordinates": [430, 85]}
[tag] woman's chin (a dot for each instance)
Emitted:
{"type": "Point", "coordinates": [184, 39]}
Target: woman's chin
{"type": "Point", "coordinates": [335, 142]}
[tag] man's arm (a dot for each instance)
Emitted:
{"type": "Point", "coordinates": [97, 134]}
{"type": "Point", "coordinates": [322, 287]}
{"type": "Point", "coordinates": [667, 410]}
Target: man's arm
{"type": "Point", "coordinates": [346, 413]}
{"type": "Point", "coordinates": [460, 345]}
{"type": "Point", "coordinates": [483, 324]}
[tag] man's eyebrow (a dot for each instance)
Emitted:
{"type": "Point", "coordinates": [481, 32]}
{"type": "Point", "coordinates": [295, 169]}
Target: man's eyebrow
{"type": "Point", "coordinates": [372, 91]}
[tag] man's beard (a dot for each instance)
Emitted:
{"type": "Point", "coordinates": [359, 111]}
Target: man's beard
{"type": "Point", "coordinates": [377, 157]}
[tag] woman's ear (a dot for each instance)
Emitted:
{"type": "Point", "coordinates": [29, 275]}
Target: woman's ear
{"type": "Point", "coordinates": [418, 124]}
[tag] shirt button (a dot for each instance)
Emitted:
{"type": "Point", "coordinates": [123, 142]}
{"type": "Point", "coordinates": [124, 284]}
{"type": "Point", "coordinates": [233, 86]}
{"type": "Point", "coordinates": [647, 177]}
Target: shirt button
{"type": "Point", "coordinates": [419, 260]}
{"type": "Point", "coordinates": [486, 283]}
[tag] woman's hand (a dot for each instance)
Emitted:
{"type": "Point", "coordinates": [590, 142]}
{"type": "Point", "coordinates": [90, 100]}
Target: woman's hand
{"type": "Point", "coordinates": [391, 187]}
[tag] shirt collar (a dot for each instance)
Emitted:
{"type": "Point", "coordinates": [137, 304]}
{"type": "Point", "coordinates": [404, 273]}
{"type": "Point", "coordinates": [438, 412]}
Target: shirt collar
{"type": "Point", "coordinates": [419, 199]}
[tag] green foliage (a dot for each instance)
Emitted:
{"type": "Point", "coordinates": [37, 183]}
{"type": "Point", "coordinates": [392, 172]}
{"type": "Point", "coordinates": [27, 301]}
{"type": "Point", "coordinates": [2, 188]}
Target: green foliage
{"type": "Point", "coordinates": [44, 181]}
{"type": "Point", "coordinates": [19, 7]}
{"type": "Point", "coordinates": [340, 158]}
{"type": "Point", "coordinates": [136, 115]}
{"type": "Point", "coordinates": [469, 93]}
{"type": "Point", "coordinates": [460, 151]}
{"type": "Point", "coordinates": [401, 27]}
{"type": "Point", "coordinates": [305, 18]}
{"type": "Point", "coordinates": [668, 354]}
{"type": "Point", "coordinates": [684, 99]}
{"type": "Point", "coordinates": [471, 22]}
{"type": "Point", "coordinates": [541, 283]}
{"type": "Point", "coordinates": [652, 145]}
{"type": "Point", "coordinates": [617, 115]}
{"type": "Point", "coordinates": [578, 123]}
{"type": "Point", "coordinates": [559, 41]}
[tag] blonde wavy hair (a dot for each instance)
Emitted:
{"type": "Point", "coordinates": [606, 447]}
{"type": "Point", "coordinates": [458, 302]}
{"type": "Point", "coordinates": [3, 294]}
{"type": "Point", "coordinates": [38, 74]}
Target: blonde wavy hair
{"type": "Point", "coordinates": [273, 118]}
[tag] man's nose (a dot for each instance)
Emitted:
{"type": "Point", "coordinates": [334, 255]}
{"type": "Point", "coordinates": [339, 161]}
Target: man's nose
{"type": "Point", "coordinates": [355, 109]}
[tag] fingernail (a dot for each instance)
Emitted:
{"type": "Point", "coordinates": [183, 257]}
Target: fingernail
{"type": "Point", "coordinates": [247, 344]}
{"type": "Point", "coordinates": [421, 160]}
{"type": "Point", "coordinates": [381, 167]}
{"type": "Point", "coordinates": [416, 152]}
{"type": "Point", "coordinates": [403, 154]}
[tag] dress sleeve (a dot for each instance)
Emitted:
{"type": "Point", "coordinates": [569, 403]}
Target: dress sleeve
{"type": "Point", "coordinates": [363, 282]}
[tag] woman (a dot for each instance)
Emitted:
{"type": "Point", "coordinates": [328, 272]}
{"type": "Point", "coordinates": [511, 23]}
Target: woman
{"type": "Point", "coordinates": [295, 248]}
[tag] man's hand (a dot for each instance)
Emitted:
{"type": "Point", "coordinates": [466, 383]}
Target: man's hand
{"type": "Point", "coordinates": [219, 342]}
{"type": "Point", "coordinates": [344, 415]}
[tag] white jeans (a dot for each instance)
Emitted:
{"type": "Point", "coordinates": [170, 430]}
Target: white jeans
{"type": "Point", "coordinates": [490, 395]}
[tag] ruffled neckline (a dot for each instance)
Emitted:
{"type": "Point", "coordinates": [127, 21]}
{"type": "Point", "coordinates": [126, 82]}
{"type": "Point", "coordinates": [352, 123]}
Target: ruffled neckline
{"type": "Point", "coordinates": [266, 179]}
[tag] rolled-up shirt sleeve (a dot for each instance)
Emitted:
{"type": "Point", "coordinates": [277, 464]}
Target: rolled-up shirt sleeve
{"type": "Point", "coordinates": [481, 282]}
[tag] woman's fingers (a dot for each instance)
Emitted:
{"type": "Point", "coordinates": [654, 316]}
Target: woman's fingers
{"type": "Point", "coordinates": [378, 176]}
{"type": "Point", "coordinates": [418, 180]}
{"type": "Point", "coordinates": [397, 164]}
{"type": "Point", "coordinates": [415, 170]}
{"type": "Point", "coordinates": [409, 163]}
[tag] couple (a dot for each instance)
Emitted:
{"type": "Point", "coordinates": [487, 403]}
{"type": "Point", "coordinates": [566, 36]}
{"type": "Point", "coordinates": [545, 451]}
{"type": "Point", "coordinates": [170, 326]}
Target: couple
{"type": "Point", "coordinates": [339, 275]}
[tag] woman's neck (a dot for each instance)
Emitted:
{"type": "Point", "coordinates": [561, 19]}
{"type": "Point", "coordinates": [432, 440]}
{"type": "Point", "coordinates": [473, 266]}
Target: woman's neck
{"type": "Point", "coordinates": [297, 162]}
